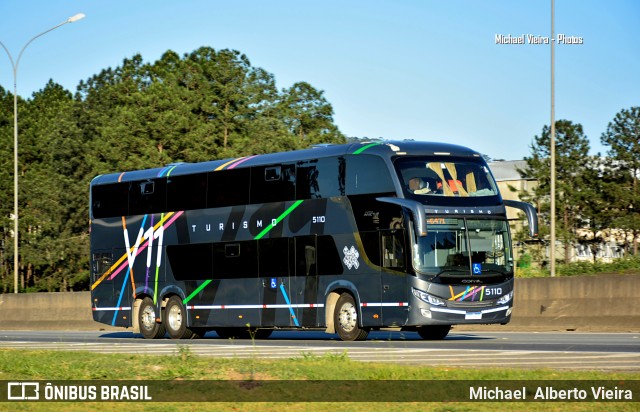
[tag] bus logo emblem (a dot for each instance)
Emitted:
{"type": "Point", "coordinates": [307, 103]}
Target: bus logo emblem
{"type": "Point", "coordinates": [351, 257]}
{"type": "Point", "coordinates": [23, 391]}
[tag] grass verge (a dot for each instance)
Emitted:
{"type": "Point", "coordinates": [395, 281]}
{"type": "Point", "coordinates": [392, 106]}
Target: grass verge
{"type": "Point", "coordinates": [183, 365]}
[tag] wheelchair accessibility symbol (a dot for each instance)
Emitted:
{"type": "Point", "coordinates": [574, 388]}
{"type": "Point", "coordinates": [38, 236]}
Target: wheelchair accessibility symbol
{"type": "Point", "coordinates": [274, 283]}
{"type": "Point", "coordinates": [477, 268]}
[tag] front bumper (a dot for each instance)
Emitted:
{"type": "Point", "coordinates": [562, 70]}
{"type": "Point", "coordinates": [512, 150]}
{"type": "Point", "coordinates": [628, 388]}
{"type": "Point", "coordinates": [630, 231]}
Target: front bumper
{"type": "Point", "coordinates": [451, 305]}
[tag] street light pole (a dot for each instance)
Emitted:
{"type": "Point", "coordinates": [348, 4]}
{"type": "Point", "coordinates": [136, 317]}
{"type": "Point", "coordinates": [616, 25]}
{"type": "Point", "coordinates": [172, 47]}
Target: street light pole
{"type": "Point", "coordinates": [71, 19]}
{"type": "Point", "coordinates": [552, 149]}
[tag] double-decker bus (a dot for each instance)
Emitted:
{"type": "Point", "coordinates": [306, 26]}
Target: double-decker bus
{"type": "Point", "coordinates": [346, 238]}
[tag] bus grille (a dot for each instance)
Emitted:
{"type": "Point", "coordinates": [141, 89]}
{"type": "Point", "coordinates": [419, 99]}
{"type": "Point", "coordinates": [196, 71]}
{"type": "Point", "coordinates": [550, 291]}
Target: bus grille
{"type": "Point", "coordinates": [466, 304]}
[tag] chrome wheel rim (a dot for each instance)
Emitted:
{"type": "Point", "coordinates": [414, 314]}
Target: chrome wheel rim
{"type": "Point", "coordinates": [148, 318]}
{"type": "Point", "coordinates": [348, 317]}
{"type": "Point", "coordinates": [174, 318]}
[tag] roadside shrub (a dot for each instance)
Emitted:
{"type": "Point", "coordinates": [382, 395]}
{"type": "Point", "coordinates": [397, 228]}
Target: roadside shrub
{"type": "Point", "coordinates": [625, 265]}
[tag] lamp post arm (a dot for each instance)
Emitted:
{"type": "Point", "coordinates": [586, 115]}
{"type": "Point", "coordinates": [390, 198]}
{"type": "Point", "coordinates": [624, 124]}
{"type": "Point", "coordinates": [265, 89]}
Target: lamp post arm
{"type": "Point", "coordinates": [8, 54]}
{"type": "Point", "coordinates": [15, 66]}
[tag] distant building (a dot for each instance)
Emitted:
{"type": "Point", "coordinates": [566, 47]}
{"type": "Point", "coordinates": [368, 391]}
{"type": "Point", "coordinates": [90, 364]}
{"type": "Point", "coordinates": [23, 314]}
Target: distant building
{"type": "Point", "coordinates": [508, 176]}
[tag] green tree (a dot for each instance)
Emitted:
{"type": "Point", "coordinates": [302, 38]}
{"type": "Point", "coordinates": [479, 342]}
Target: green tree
{"type": "Point", "coordinates": [116, 120]}
{"type": "Point", "coordinates": [53, 192]}
{"type": "Point", "coordinates": [203, 106]}
{"type": "Point", "coordinates": [309, 116]}
{"type": "Point", "coordinates": [237, 100]}
{"type": "Point", "coordinates": [572, 164]}
{"type": "Point", "coordinates": [623, 138]}
{"type": "Point", "coordinates": [594, 200]}
{"type": "Point", "coordinates": [6, 190]}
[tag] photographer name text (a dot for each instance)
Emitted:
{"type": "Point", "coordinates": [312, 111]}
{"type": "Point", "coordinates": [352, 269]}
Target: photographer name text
{"type": "Point", "coordinates": [537, 39]}
{"type": "Point", "coordinates": [549, 393]}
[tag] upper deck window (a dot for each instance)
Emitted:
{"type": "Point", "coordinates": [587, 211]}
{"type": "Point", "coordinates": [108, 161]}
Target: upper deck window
{"type": "Point", "coordinates": [449, 177]}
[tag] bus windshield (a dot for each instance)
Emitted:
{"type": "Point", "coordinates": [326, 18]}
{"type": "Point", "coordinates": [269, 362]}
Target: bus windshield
{"type": "Point", "coordinates": [422, 177]}
{"type": "Point", "coordinates": [464, 246]}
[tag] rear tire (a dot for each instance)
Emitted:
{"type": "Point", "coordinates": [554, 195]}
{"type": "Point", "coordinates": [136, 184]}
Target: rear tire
{"type": "Point", "coordinates": [345, 319]}
{"type": "Point", "coordinates": [175, 320]}
{"type": "Point", "coordinates": [433, 332]}
{"type": "Point", "coordinates": [147, 320]}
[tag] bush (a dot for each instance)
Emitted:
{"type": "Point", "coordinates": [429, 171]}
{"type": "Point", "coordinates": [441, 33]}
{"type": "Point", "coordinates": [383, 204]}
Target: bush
{"type": "Point", "coordinates": [625, 265]}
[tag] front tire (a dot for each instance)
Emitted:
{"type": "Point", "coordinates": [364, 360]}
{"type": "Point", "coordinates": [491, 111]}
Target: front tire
{"type": "Point", "coordinates": [147, 320]}
{"type": "Point", "coordinates": [434, 332]}
{"type": "Point", "coordinates": [345, 319]}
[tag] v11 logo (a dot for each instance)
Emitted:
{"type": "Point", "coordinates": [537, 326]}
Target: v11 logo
{"type": "Point", "coordinates": [150, 234]}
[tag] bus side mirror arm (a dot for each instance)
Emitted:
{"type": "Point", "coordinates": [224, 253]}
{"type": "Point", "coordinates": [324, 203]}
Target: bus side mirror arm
{"type": "Point", "coordinates": [529, 211]}
{"type": "Point", "coordinates": [416, 209]}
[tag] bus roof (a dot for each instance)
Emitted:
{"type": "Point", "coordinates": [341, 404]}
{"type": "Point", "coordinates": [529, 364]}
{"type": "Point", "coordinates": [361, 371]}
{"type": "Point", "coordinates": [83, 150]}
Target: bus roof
{"type": "Point", "coordinates": [385, 149]}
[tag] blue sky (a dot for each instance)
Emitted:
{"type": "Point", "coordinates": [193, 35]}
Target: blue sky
{"type": "Point", "coordinates": [397, 69]}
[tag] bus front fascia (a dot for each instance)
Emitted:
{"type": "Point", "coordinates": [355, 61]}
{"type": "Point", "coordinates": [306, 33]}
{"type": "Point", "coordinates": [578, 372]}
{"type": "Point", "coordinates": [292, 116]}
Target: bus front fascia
{"type": "Point", "coordinates": [420, 221]}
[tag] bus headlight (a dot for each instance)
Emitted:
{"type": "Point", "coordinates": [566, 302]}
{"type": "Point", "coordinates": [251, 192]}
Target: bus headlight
{"type": "Point", "coordinates": [505, 299]}
{"type": "Point", "coordinates": [425, 297]}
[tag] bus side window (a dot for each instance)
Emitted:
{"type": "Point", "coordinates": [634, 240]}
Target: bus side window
{"type": "Point", "coordinates": [320, 178]}
{"type": "Point", "coordinates": [235, 260]}
{"type": "Point", "coordinates": [367, 174]}
{"type": "Point", "coordinates": [272, 183]}
{"type": "Point", "coordinates": [371, 245]}
{"type": "Point", "coordinates": [110, 200]}
{"type": "Point", "coordinates": [187, 192]}
{"type": "Point", "coordinates": [329, 260]}
{"type": "Point", "coordinates": [148, 196]}
{"type": "Point", "coordinates": [393, 249]}
{"type": "Point", "coordinates": [228, 188]}
{"type": "Point", "coordinates": [305, 256]}
{"type": "Point", "coordinates": [273, 257]}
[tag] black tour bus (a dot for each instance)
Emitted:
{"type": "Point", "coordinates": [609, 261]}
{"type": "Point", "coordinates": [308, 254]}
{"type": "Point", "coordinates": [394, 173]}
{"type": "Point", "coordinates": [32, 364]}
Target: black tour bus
{"type": "Point", "coordinates": [344, 238]}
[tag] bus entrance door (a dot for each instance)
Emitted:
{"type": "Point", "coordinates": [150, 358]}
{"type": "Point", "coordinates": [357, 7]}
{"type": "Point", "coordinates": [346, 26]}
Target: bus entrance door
{"type": "Point", "coordinates": [306, 281]}
{"type": "Point", "coordinates": [275, 282]}
{"type": "Point", "coordinates": [394, 286]}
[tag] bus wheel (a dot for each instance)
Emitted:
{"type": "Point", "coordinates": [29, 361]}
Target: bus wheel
{"type": "Point", "coordinates": [233, 333]}
{"type": "Point", "coordinates": [176, 320]}
{"type": "Point", "coordinates": [433, 332]}
{"type": "Point", "coordinates": [345, 319]}
{"type": "Point", "coordinates": [262, 333]}
{"type": "Point", "coordinates": [147, 316]}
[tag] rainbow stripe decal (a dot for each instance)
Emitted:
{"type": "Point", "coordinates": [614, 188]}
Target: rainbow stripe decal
{"type": "Point", "coordinates": [469, 294]}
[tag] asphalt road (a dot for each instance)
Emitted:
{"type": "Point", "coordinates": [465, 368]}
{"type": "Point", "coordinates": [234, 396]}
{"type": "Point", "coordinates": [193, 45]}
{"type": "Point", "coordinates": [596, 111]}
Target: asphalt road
{"type": "Point", "coordinates": [554, 350]}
